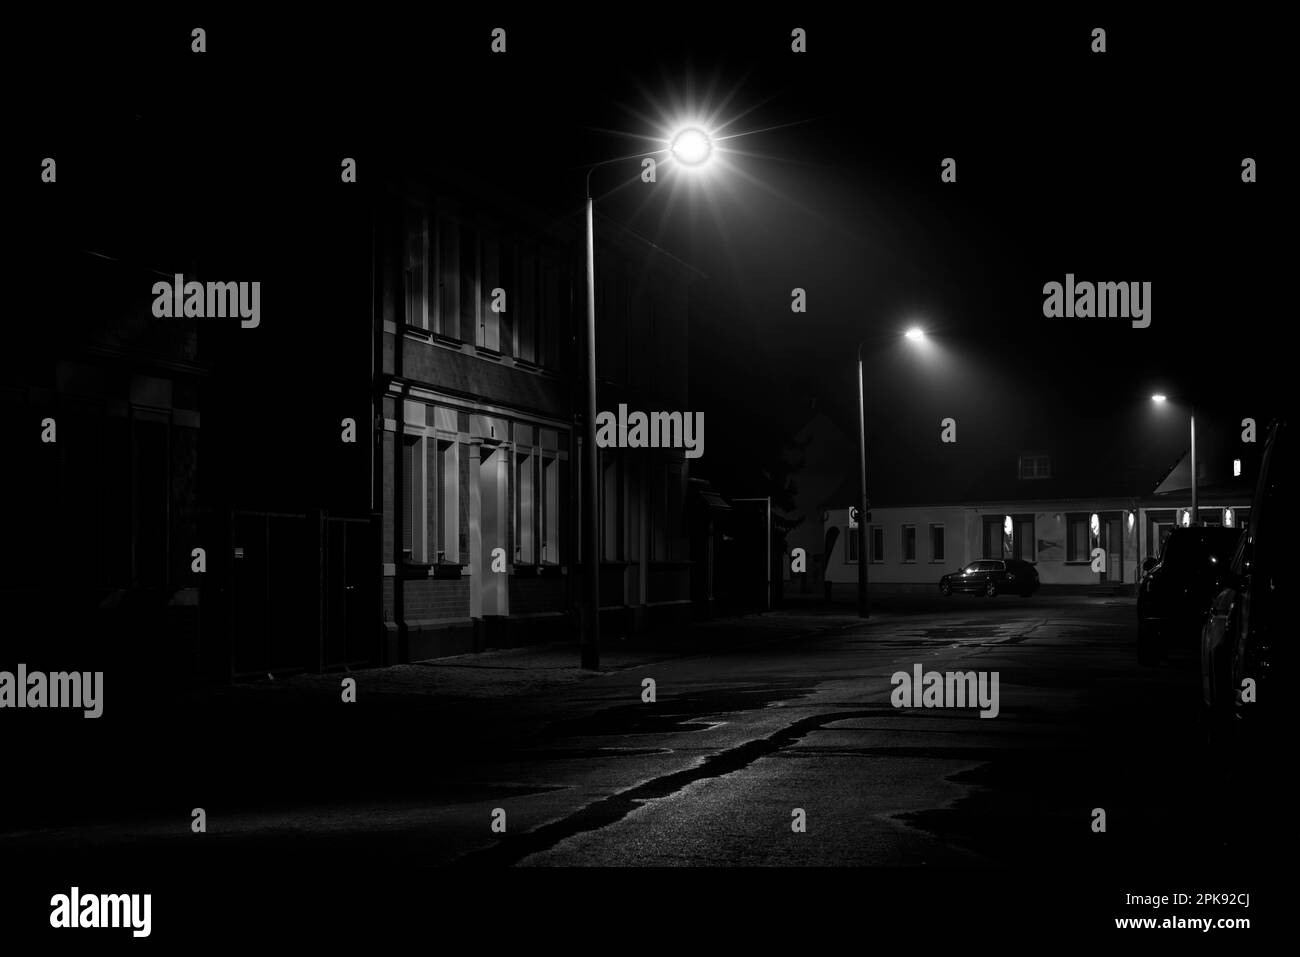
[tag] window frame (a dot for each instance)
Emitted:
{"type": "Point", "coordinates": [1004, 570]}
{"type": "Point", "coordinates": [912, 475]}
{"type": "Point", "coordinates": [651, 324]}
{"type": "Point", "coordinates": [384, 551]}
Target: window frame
{"type": "Point", "coordinates": [905, 528]}
{"type": "Point", "coordinates": [942, 558]}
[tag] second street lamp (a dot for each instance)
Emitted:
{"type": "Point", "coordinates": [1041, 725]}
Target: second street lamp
{"type": "Point", "coordinates": [915, 334]}
{"type": "Point", "coordinates": [1160, 399]}
{"type": "Point", "coordinates": [691, 146]}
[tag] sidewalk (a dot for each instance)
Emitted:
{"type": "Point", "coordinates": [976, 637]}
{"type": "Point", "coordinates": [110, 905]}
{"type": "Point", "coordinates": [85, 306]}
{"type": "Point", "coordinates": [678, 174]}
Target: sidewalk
{"type": "Point", "coordinates": [510, 672]}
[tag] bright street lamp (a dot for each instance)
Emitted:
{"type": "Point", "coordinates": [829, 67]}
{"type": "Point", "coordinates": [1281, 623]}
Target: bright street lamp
{"type": "Point", "coordinates": [692, 147]}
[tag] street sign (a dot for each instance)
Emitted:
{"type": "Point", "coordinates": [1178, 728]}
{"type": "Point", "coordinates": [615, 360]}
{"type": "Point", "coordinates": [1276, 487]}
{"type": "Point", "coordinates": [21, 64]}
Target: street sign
{"type": "Point", "coordinates": [853, 517]}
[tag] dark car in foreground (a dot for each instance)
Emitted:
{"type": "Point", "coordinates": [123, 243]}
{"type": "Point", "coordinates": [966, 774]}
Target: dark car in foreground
{"type": "Point", "coordinates": [1245, 648]}
{"type": "Point", "coordinates": [1177, 589]}
{"type": "Point", "coordinates": [992, 576]}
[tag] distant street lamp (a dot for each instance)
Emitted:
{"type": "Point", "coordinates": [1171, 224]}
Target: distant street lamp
{"type": "Point", "coordinates": [914, 334]}
{"type": "Point", "coordinates": [691, 146]}
{"type": "Point", "coordinates": [1160, 399]}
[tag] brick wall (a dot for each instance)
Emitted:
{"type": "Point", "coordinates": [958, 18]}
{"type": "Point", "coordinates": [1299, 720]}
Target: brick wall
{"type": "Point", "coordinates": [431, 598]}
{"type": "Point", "coordinates": [528, 596]}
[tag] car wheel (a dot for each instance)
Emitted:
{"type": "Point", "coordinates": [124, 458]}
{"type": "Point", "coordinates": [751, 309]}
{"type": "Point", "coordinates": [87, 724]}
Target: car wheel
{"type": "Point", "coordinates": [991, 590]}
{"type": "Point", "coordinates": [1148, 643]}
{"type": "Point", "coordinates": [945, 589]}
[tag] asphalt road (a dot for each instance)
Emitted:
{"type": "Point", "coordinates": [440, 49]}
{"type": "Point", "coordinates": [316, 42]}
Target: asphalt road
{"type": "Point", "coordinates": [716, 770]}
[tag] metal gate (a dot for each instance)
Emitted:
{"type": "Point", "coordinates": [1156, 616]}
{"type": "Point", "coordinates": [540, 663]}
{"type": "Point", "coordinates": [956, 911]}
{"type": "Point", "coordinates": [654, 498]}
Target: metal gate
{"type": "Point", "coordinates": [300, 596]}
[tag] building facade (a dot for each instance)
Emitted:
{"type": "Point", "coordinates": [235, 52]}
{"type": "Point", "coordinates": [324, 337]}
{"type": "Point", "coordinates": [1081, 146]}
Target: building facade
{"type": "Point", "coordinates": [1074, 543]}
{"type": "Point", "coordinates": [478, 441]}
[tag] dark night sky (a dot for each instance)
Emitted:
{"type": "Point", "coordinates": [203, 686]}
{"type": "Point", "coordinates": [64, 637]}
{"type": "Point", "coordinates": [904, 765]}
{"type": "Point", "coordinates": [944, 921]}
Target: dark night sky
{"type": "Point", "coordinates": [1123, 166]}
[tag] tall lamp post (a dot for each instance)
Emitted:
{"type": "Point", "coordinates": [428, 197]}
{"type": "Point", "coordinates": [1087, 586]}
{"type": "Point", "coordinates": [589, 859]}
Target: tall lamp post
{"type": "Point", "coordinates": [1159, 399]}
{"type": "Point", "coordinates": [691, 146]}
{"type": "Point", "coordinates": [914, 334]}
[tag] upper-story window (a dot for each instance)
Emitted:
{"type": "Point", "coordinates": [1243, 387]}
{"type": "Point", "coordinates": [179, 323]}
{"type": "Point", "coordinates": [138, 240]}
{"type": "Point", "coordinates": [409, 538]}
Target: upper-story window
{"type": "Point", "coordinates": [1035, 465]}
{"type": "Point", "coordinates": [454, 271]}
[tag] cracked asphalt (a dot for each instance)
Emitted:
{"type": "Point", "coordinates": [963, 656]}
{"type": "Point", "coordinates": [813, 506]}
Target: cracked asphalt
{"type": "Point", "coordinates": [738, 742]}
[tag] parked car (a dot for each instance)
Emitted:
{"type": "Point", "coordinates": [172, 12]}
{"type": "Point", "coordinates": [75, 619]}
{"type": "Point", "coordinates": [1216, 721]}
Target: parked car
{"type": "Point", "coordinates": [989, 576]}
{"type": "Point", "coordinates": [1243, 638]}
{"type": "Point", "coordinates": [1177, 589]}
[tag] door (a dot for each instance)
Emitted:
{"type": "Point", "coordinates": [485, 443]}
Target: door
{"type": "Point", "coordinates": [349, 596]}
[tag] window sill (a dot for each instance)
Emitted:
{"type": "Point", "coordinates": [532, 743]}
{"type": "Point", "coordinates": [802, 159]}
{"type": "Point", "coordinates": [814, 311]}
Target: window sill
{"type": "Point", "coordinates": [450, 342]}
{"type": "Point", "coordinates": [408, 570]}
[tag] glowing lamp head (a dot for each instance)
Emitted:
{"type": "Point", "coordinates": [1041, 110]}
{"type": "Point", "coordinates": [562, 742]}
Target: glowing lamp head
{"type": "Point", "coordinates": [1158, 398]}
{"type": "Point", "coordinates": [916, 334]}
{"type": "Point", "coordinates": [692, 146]}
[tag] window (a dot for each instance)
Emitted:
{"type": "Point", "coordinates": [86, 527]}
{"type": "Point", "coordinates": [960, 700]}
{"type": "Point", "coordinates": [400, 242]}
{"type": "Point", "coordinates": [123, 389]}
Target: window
{"type": "Point", "coordinates": [1078, 547]}
{"type": "Point", "coordinates": [909, 543]}
{"type": "Point", "coordinates": [551, 482]}
{"type": "Point", "coordinates": [1035, 465]}
{"type": "Point", "coordinates": [994, 536]}
{"type": "Point", "coordinates": [469, 283]}
{"type": "Point", "coordinates": [1009, 536]}
{"type": "Point", "coordinates": [525, 306]}
{"type": "Point", "coordinates": [413, 498]}
{"type": "Point", "coordinates": [610, 512]}
{"type": "Point", "coordinates": [877, 543]}
{"type": "Point", "coordinates": [448, 304]}
{"type": "Point", "coordinates": [526, 509]}
{"type": "Point", "coordinates": [1024, 546]}
{"type": "Point", "coordinates": [415, 274]}
{"type": "Point", "coordinates": [489, 321]}
{"type": "Point", "coordinates": [540, 473]}
{"type": "Point", "coordinates": [936, 543]}
{"type": "Point", "coordinates": [447, 537]}
{"type": "Point", "coordinates": [851, 538]}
